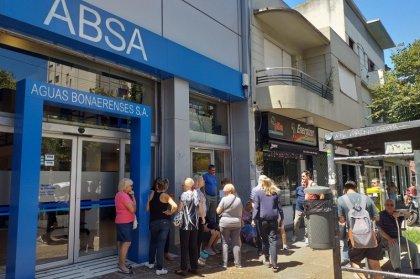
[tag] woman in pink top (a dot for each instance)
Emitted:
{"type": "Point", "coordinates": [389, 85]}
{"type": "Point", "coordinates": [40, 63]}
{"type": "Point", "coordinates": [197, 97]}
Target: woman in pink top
{"type": "Point", "coordinates": [125, 206]}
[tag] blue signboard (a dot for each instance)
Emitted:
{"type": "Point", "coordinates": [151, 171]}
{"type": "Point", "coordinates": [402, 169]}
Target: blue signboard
{"type": "Point", "coordinates": [84, 27]}
{"type": "Point", "coordinates": [84, 100]}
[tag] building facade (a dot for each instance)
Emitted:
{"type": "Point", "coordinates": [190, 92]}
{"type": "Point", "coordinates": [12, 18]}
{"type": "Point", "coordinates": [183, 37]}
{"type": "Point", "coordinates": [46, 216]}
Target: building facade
{"type": "Point", "coordinates": [367, 39]}
{"type": "Point", "coordinates": [313, 65]}
{"type": "Point", "coordinates": [185, 60]}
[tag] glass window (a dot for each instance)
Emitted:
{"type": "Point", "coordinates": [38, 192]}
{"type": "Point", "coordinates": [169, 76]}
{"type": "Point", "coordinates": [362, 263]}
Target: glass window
{"type": "Point", "coordinates": [285, 173]}
{"type": "Point", "coordinates": [16, 66]}
{"type": "Point", "coordinates": [208, 121]}
{"type": "Point", "coordinates": [101, 80]}
{"type": "Point", "coordinates": [6, 144]}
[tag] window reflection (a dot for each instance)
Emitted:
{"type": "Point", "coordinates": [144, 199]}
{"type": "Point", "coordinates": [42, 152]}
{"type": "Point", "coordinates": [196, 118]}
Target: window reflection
{"type": "Point", "coordinates": [15, 66]}
{"type": "Point", "coordinates": [208, 121]}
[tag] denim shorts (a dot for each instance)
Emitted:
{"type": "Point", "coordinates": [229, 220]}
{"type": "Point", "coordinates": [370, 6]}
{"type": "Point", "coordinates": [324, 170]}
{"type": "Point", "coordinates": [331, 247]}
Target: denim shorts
{"type": "Point", "coordinates": [125, 232]}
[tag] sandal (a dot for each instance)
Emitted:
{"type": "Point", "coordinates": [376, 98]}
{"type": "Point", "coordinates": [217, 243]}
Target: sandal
{"type": "Point", "coordinates": [128, 271]}
{"type": "Point", "coordinates": [181, 273]}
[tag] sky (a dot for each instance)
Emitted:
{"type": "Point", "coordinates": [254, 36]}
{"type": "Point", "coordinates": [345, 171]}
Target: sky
{"type": "Point", "coordinates": [400, 18]}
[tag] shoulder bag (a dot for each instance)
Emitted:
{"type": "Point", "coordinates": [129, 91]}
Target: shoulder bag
{"type": "Point", "coordinates": [224, 209]}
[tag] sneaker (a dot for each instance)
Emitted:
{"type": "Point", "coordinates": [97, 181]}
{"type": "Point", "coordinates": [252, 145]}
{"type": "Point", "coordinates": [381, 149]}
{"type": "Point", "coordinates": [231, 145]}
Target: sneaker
{"type": "Point", "coordinates": [266, 263]}
{"type": "Point", "coordinates": [209, 251]}
{"type": "Point", "coordinates": [285, 247]}
{"type": "Point", "coordinates": [238, 266]}
{"type": "Point", "coordinates": [294, 238]}
{"type": "Point", "coordinates": [150, 266]}
{"type": "Point", "coordinates": [161, 271]}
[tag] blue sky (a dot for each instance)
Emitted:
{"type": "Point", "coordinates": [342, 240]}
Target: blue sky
{"type": "Point", "coordinates": [399, 17]}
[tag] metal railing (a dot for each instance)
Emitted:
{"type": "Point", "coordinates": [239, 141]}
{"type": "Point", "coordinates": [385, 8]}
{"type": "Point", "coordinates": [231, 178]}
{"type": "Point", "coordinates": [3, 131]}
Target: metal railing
{"type": "Point", "coordinates": [380, 273]}
{"type": "Point", "coordinates": [293, 76]}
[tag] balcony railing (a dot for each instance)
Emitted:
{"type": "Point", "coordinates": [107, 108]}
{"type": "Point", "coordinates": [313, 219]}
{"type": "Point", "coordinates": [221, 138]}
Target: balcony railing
{"type": "Point", "coordinates": [295, 77]}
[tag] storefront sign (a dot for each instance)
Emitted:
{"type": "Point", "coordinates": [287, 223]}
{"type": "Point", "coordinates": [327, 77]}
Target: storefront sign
{"type": "Point", "coordinates": [67, 96]}
{"type": "Point", "coordinates": [398, 147]}
{"type": "Point", "coordinates": [323, 147]}
{"type": "Point", "coordinates": [283, 128]}
{"type": "Point", "coordinates": [86, 28]}
{"type": "Point", "coordinates": [99, 28]}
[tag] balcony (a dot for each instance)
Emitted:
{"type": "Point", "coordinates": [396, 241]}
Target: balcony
{"type": "Point", "coordinates": [293, 77]}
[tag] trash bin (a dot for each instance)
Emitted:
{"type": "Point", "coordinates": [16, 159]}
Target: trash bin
{"type": "Point", "coordinates": [320, 211]}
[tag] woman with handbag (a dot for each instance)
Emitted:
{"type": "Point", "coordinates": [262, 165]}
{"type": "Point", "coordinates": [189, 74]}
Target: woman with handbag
{"type": "Point", "coordinates": [268, 212]}
{"type": "Point", "coordinates": [160, 223]}
{"type": "Point", "coordinates": [230, 213]}
{"type": "Point", "coordinates": [187, 219]}
{"type": "Point", "coordinates": [125, 206]}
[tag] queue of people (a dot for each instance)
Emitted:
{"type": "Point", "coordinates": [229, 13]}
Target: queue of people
{"type": "Point", "coordinates": [201, 223]}
{"type": "Point", "coordinates": [260, 222]}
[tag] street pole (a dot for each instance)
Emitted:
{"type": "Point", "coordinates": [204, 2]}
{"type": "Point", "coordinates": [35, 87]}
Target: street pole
{"type": "Point", "coordinates": [417, 164]}
{"type": "Point", "coordinates": [332, 183]}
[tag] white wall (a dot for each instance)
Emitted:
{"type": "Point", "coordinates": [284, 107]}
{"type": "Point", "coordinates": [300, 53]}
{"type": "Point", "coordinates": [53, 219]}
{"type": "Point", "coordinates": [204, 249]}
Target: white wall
{"type": "Point", "coordinates": [324, 13]}
{"type": "Point", "coordinates": [211, 28]}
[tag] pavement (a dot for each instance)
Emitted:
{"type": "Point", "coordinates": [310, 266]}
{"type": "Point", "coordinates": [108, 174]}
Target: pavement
{"type": "Point", "coordinates": [298, 262]}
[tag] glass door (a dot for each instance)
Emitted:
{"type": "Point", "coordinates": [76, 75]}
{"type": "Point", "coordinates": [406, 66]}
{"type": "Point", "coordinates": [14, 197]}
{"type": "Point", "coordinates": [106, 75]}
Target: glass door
{"type": "Point", "coordinates": [79, 179]}
{"type": "Point", "coordinates": [56, 199]}
{"type": "Point", "coordinates": [97, 176]}
{"type": "Point", "coordinates": [201, 159]}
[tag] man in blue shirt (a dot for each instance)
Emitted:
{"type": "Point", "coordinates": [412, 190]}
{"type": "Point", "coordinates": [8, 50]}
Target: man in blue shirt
{"type": "Point", "coordinates": [306, 180]}
{"type": "Point", "coordinates": [211, 189]}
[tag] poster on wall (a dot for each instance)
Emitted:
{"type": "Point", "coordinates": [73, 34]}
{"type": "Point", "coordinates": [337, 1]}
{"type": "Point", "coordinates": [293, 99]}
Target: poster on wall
{"type": "Point", "coordinates": [283, 128]}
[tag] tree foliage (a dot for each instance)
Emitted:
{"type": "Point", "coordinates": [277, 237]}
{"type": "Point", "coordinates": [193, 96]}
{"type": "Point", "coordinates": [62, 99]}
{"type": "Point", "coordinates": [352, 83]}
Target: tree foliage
{"type": "Point", "coordinates": [7, 80]}
{"type": "Point", "coordinates": [398, 99]}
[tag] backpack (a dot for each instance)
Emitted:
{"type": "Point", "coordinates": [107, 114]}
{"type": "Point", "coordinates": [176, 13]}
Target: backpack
{"type": "Point", "coordinates": [360, 226]}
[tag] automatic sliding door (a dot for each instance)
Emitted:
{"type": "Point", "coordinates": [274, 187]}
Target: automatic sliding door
{"type": "Point", "coordinates": [55, 228]}
{"type": "Point", "coordinates": [98, 176]}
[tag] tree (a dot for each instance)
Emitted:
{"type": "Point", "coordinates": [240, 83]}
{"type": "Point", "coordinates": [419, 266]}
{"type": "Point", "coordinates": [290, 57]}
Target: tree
{"type": "Point", "coordinates": [398, 99]}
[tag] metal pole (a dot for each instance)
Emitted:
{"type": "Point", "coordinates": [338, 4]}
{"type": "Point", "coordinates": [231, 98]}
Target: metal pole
{"type": "Point", "coordinates": [383, 184]}
{"type": "Point", "coordinates": [417, 163]}
{"type": "Point", "coordinates": [332, 183]}
{"type": "Point", "coordinates": [359, 178]}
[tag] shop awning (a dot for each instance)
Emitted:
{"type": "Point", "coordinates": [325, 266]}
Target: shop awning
{"type": "Point", "coordinates": [372, 139]}
{"type": "Point", "coordinates": [292, 27]}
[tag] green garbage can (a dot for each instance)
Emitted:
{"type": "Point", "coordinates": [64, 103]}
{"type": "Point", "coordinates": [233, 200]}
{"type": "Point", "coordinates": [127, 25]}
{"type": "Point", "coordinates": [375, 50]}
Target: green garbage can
{"type": "Point", "coordinates": [320, 210]}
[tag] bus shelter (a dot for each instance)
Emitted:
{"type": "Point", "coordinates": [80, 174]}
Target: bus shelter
{"type": "Point", "coordinates": [372, 144]}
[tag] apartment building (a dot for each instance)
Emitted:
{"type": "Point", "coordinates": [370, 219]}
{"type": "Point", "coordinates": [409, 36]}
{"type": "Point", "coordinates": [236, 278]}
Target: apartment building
{"type": "Point", "coordinates": [367, 39]}
{"type": "Point", "coordinates": [313, 65]}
